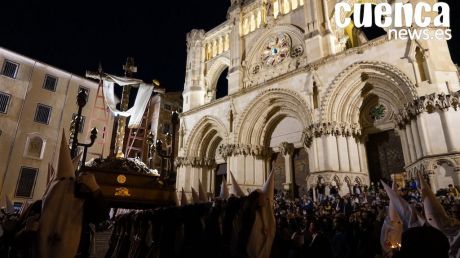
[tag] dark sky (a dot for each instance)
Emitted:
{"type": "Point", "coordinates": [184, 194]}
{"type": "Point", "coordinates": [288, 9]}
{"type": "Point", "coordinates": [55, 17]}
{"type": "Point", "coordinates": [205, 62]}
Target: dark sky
{"type": "Point", "coordinates": [76, 35]}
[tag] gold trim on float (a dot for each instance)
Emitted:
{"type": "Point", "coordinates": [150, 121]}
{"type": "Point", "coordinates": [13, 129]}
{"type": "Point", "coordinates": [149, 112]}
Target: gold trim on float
{"type": "Point", "coordinates": [121, 179]}
{"type": "Point", "coordinates": [122, 192]}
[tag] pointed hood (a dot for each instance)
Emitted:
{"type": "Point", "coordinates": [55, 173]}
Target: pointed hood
{"type": "Point", "coordinates": [235, 188]}
{"type": "Point", "coordinates": [392, 212]}
{"type": "Point", "coordinates": [201, 193]}
{"type": "Point", "coordinates": [260, 244]}
{"type": "Point", "coordinates": [195, 196]}
{"type": "Point", "coordinates": [392, 228]}
{"type": "Point", "coordinates": [51, 174]}
{"type": "Point", "coordinates": [9, 205]}
{"type": "Point", "coordinates": [269, 186]}
{"type": "Point", "coordinates": [176, 200]}
{"type": "Point", "coordinates": [65, 165]}
{"type": "Point", "coordinates": [183, 198]}
{"type": "Point", "coordinates": [224, 190]}
{"type": "Point", "coordinates": [434, 212]}
{"type": "Point", "coordinates": [408, 215]}
{"type": "Point", "coordinates": [24, 207]}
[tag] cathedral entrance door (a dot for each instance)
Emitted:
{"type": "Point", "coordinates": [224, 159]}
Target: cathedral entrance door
{"type": "Point", "coordinates": [384, 155]}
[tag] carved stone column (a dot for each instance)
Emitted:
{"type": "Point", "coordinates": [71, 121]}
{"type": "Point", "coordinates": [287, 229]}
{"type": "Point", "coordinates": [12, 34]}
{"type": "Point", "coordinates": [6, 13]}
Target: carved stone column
{"type": "Point", "coordinates": [287, 150]}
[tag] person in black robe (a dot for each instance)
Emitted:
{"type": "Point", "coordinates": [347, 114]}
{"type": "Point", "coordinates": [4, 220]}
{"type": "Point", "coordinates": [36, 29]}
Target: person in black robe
{"type": "Point", "coordinates": [341, 244]}
{"type": "Point", "coordinates": [319, 246]}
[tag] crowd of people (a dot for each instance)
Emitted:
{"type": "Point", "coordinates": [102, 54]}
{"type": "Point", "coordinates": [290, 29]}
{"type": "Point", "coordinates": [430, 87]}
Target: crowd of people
{"type": "Point", "coordinates": [312, 225]}
{"type": "Point", "coordinates": [330, 225]}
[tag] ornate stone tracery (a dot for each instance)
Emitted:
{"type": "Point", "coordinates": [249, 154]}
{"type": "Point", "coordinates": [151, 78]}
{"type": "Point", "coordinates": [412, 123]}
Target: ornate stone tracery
{"type": "Point", "coordinates": [263, 64]}
{"type": "Point", "coordinates": [350, 83]}
{"type": "Point", "coordinates": [429, 103]}
{"type": "Point", "coordinates": [195, 162]}
{"type": "Point", "coordinates": [245, 150]}
{"type": "Point", "coordinates": [331, 128]}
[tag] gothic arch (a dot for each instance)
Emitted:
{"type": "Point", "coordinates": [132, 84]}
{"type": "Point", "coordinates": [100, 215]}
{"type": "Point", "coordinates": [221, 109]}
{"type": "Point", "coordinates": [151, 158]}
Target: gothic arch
{"type": "Point", "coordinates": [261, 117]}
{"type": "Point", "coordinates": [205, 137]}
{"type": "Point", "coordinates": [343, 98]}
{"type": "Point", "coordinates": [214, 72]}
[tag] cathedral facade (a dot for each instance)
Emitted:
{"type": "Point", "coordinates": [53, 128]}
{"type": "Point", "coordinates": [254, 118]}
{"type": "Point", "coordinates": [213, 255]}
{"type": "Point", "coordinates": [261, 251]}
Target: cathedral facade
{"type": "Point", "coordinates": [316, 103]}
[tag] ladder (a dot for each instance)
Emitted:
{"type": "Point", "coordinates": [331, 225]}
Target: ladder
{"type": "Point", "coordinates": [136, 146]}
{"type": "Point", "coordinates": [101, 122]}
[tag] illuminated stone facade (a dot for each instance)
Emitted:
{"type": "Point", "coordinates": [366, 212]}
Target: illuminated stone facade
{"type": "Point", "coordinates": [296, 81]}
{"type": "Point", "coordinates": [30, 138]}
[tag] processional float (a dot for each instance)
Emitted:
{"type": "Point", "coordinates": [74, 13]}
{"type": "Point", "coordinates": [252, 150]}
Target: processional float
{"type": "Point", "coordinates": [126, 182]}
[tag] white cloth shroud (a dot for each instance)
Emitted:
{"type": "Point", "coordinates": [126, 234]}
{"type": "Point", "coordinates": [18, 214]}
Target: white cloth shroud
{"type": "Point", "coordinates": [143, 95]}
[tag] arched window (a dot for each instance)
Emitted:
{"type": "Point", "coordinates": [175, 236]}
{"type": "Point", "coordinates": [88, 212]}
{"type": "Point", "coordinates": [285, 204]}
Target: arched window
{"type": "Point", "coordinates": [208, 51]}
{"type": "Point", "coordinates": [245, 26]}
{"type": "Point", "coordinates": [226, 43]}
{"type": "Point", "coordinates": [276, 9]}
{"type": "Point", "coordinates": [214, 48]}
{"type": "Point", "coordinates": [220, 47]}
{"type": "Point", "coordinates": [286, 6]}
{"type": "Point", "coordinates": [253, 22]}
{"type": "Point", "coordinates": [259, 19]}
{"type": "Point", "coordinates": [222, 85]}
{"type": "Point", "coordinates": [294, 4]}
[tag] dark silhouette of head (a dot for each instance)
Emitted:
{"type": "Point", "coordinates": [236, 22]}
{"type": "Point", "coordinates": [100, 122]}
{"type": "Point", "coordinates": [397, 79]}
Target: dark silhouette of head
{"type": "Point", "coordinates": [424, 242]}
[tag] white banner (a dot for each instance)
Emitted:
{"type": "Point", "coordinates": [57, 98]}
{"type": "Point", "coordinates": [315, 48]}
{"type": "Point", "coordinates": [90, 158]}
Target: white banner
{"type": "Point", "coordinates": [142, 99]}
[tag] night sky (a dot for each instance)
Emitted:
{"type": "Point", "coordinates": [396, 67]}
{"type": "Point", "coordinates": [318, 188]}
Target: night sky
{"type": "Point", "coordinates": [77, 36]}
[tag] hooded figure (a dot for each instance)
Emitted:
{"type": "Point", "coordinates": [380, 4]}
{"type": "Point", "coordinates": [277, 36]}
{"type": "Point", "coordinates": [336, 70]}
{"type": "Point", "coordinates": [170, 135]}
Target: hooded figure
{"type": "Point", "coordinates": [263, 231]}
{"type": "Point", "coordinates": [224, 190]}
{"type": "Point", "coordinates": [51, 175]}
{"type": "Point", "coordinates": [235, 189]}
{"type": "Point", "coordinates": [9, 207]}
{"type": "Point", "coordinates": [203, 196]}
{"type": "Point", "coordinates": [183, 198]}
{"type": "Point", "coordinates": [195, 196]}
{"type": "Point", "coordinates": [176, 200]}
{"type": "Point", "coordinates": [392, 229]}
{"type": "Point", "coordinates": [62, 213]}
{"type": "Point", "coordinates": [407, 213]}
{"type": "Point", "coordinates": [438, 218]}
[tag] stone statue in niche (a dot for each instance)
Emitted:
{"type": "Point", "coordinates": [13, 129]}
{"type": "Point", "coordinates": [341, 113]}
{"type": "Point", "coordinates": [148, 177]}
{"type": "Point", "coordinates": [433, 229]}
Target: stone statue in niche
{"type": "Point", "coordinates": [230, 119]}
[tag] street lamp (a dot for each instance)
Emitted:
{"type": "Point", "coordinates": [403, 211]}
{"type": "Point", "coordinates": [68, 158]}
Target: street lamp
{"type": "Point", "coordinates": [82, 98]}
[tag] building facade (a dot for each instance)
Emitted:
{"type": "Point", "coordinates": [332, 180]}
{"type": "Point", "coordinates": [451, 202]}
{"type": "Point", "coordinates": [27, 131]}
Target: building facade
{"type": "Point", "coordinates": [157, 120]}
{"type": "Point", "coordinates": [37, 103]}
{"type": "Point", "coordinates": [319, 104]}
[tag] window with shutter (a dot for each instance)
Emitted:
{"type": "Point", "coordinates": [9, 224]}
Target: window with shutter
{"type": "Point", "coordinates": [26, 182]}
{"type": "Point", "coordinates": [4, 102]}
{"type": "Point", "coordinates": [42, 114]}
{"type": "Point", "coordinates": [10, 69]}
{"type": "Point", "coordinates": [50, 83]}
